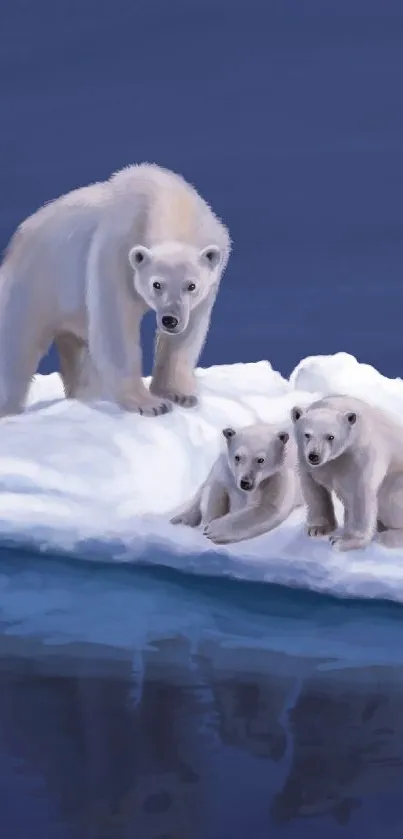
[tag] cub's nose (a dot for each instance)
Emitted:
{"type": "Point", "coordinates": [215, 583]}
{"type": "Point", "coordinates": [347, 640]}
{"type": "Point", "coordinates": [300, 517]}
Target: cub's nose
{"type": "Point", "coordinates": [169, 322]}
{"type": "Point", "coordinates": [313, 458]}
{"type": "Point", "coordinates": [245, 484]}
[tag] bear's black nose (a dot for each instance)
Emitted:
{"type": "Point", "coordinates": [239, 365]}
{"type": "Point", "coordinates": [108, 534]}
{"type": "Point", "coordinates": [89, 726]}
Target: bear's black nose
{"type": "Point", "coordinates": [245, 484]}
{"type": "Point", "coordinates": [169, 322]}
{"type": "Point", "coordinates": [313, 457]}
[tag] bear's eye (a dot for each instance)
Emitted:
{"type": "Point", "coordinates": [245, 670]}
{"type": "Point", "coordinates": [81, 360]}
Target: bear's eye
{"type": "Point", "coordinates": [307, 436]}
{"type": "Point", "coordinates": [260, 460]}
{"type": "Point", "coordinates": [237, 458]}
{"type": "Point", "coordinates": [330, 437]}
{"type": "Point", "coordinates": [157, 285]}
{"type": "Point", "coordinates": [191, 287]}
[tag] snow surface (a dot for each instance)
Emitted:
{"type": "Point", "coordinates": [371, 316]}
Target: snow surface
{"type": "Point", "coordinates": [97, 483]}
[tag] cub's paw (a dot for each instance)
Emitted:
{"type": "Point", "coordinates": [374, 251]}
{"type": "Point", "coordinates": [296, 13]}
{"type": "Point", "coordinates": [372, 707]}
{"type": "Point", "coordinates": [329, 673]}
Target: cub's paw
{"type": "Point", "coordinates": [316, 530]}
{"type": "Point", "coordinates": [217, 532]}
{"type": "Point", "coordinates": [187, 519]}
{"type": "Point", "coordinates": [146, 405]}
{"type": "Point", "coordinates": [349, 543]}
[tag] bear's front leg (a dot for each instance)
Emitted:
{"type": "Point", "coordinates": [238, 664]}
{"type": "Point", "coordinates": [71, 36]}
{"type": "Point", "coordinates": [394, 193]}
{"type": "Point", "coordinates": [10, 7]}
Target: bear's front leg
{"type": "Point", "coordinates": [244, 524]}
{"type": "Point", "coordinates": [114, 318]}
{"type": "Point", "coordinates": [217, 502]}
{"type": "Point", "coordinates": [140, 401]}
{"type": "Point", "coordinates": [176, 357]}
{"type": "Point", "coordinates": [321, 519]}
{"type": "Point", "coordinates": [360, 518]}
{"type": "Point", "coordinates": [173, 378]}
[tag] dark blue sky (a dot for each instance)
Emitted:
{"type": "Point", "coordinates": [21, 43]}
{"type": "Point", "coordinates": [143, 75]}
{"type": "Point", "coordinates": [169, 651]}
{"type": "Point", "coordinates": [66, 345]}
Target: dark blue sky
{"type": "Point", "coordinates": [286, 115]}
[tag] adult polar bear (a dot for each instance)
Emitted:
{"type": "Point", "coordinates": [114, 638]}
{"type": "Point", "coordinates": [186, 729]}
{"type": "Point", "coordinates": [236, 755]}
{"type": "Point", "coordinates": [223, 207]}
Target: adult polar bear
{"type": "Point", "coordinates": [83, 270]}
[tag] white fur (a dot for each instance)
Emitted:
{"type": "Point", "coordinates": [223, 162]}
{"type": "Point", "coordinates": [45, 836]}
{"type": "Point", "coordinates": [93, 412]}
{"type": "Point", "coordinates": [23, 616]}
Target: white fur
{"type": "Point", "coordinates": [70, 276]}
{"type": "Point", "coordinates": [228, 512]}
{"type": "Point", "coordinates": [362, 465]}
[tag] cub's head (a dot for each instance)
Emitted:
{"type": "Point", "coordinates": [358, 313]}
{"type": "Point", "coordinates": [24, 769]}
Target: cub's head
{"type": "Point", "coordinates": [174, 278]}
{"type": "Point", "coordinates": [255, 453]}
{"type": "Point", "coordinates": [322, 434]}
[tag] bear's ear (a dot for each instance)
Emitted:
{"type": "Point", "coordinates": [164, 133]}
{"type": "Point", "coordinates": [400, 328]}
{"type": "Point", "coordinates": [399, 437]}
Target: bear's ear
{"type": "Point", "coordinates": [296, 413]}
{"type": "Point", "coordinates": [139, 256]}
{"type": "Point", "coordinates": [210, 256]}
{"type": "Point", "coordinates": [228, 433]}
{"type": "Point", "coordinates": [351, 417]}
{"type": "Point", "coordinates": [284, 437]}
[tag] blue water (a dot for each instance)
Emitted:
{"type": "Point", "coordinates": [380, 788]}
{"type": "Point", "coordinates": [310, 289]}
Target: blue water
{"type": "Point", "coordinates": [151, 705]}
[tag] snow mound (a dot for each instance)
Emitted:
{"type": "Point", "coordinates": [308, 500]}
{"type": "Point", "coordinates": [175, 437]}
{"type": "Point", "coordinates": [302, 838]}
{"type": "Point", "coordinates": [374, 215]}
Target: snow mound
{"type": "Point", "coordinates": [100, 484]}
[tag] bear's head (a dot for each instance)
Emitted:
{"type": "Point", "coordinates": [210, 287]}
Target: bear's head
{"type": "Point", "coordinates": [255, 453]}
{"type": "Point", "coordinates": [173, 279]}
{"type": "Point", "coordinates": [322, 434]}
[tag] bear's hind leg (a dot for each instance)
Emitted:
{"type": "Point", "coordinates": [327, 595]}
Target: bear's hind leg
{"type": "Point", "coordinates": [191, 514]}
{"type": "Point", "coordinates": [69, 350]}
{"type": "Point", "coordinates": [390, 523]}
{"type": "Point", "coordinates": [78, 373]}
{"type": "Point", "coordinates": [390, 538]}
{"type": "Point", "coordinates": [20, 355]}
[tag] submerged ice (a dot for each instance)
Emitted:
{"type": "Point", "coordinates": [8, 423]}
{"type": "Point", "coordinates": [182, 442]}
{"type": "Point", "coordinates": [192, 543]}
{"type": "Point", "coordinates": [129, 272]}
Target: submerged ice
{"type": "Point", "coordinates": [94, 482]}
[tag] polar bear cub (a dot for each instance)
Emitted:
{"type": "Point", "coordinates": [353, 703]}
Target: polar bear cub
{"type": "Point", "coordinates": [355, 450]}
{"type": "Point", "coordinates": [84, 269]}
{"type": "Point", "coordinates": [251, 488]}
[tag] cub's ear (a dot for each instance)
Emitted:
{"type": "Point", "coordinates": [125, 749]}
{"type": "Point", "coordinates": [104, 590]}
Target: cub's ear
{"type": "Point", "coordinates": [139, 256]}
{"type": "Point", "coordinates": [351, 417]}
{"type": "Point", "coordinates": [296, 413]}
{"type": "Point", "coordinates": [210, 256]}
{"type": "Point", "coordinates": [284, 437]}
{"type": "Point", "coordinates": [228, 433]}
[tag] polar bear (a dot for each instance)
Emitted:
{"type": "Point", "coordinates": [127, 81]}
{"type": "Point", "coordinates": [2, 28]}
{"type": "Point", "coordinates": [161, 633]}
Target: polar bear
{"type": "Point", "coordinates": [83, 270]}
{"type": "Point", "coordinates": [251, 488]}
{"type": "Point", "coordinates": [355, 450]}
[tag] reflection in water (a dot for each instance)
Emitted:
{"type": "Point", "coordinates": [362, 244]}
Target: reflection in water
{"type": "Point", "coordinates": [143, 706]}
{"type": "Point", "coordinates": [195, 751]}
{"type": "Point", "coordinates": [347, 743]}
{"type": "Point", "coordinates": [249, 715]}
{"type": "Point", "coordinates": [103, 764]}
